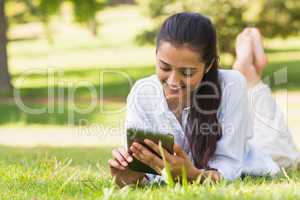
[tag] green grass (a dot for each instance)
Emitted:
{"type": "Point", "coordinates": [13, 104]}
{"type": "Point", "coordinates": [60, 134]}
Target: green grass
{"type": "Point", "coordinates": [113, 81]}
{"type": "Point", "coordinates": [34, 94]}
{"type": "Point", "coordinates": [15, 116]}
{"type": "Point", "coordinates": [82, 173]}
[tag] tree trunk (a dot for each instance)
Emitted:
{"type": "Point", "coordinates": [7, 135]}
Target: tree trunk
{"type": "Point", "coordinates": [93, 26]}
{"type": "Point", "coordinates": [5, 85]}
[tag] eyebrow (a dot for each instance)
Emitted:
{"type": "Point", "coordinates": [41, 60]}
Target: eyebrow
{"type": "Point", "coordinates": [192, 68]}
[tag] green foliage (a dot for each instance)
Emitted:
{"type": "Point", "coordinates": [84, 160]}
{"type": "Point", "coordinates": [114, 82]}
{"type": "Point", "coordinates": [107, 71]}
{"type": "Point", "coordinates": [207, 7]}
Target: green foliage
{"type": "Point", "coordinates": [47, 8]}
{"type": "Point", "coordinates": [22, 11]}
{"type": "Point", "coordinates": [156, 10]}
{"type": "Point", "coordinates": [229, 16]}
{"type": "Point", "coordinates": [85, 10]}
{"type": "Point", "coordinates": [279, 18]}
{"type": "Point", "coordinates": [27, 10]}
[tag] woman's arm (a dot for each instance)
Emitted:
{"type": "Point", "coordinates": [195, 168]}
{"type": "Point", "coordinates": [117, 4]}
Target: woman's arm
{"type": "Point", "coordinates": [121, 158]}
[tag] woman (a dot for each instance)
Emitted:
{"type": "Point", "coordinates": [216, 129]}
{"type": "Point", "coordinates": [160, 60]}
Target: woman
{"type": "Point", "coordinates": [205, 108]}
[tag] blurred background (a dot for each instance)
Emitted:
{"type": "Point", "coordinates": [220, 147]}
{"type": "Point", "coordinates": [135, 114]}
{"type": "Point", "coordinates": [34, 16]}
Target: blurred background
{"type": "Point", "coordinates": [66, 66]}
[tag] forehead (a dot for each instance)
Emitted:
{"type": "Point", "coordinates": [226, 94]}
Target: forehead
{"type": "Point", "coordinates": [178, 55]}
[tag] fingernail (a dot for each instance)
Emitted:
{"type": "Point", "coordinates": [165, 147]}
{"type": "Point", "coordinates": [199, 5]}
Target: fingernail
{"type": "Point", "coordinates": [124, 163]}
{"type": "Point", "coordinates": [129, 158]}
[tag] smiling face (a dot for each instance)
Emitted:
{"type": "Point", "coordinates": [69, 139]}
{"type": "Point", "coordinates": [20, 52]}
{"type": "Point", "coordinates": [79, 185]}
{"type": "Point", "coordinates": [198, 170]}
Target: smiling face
{"type": "Point", "coordinates": [179, 70]}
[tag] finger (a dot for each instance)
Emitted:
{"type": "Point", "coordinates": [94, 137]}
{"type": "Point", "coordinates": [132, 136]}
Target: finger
{"type": "Point", "coordinates": [117, 155]}
{"type": "Point", "coordinates": [147, 157]}
{"type": "Point", "coordinates": [125, 154]}
{"type": "Point", "coordinates": [151, 160]}
{"type": "Point", "coordinates": [155, 148]}
{"type": "Point", "coordinates": [115, 164]}
{"type": "Point", "coordinates": [152, 145]}
{"type": "Point", "coordinates": [146, 151]}
{"type": "Point", "coordinates": [138, 148]}
{"type": "Point", "coordinates": [179, 151]}
{"type": "Point", "coordinates": [133, 149]}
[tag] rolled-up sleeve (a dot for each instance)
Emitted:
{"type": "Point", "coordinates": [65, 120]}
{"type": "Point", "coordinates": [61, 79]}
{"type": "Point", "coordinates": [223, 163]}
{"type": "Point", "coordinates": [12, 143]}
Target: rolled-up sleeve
{"type": "Point", "coordinates": [135, 114]}
{"type": "Point", "coordinates": [236, 129]}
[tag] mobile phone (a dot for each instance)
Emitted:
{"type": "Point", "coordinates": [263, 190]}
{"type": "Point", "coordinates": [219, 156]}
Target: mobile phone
{"type": "Point", "coordinates": [139, 135]}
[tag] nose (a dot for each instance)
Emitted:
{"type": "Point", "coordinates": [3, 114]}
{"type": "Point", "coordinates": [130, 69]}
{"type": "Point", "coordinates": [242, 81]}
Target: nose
{"type": "Point", "coordinates": [174, 79]}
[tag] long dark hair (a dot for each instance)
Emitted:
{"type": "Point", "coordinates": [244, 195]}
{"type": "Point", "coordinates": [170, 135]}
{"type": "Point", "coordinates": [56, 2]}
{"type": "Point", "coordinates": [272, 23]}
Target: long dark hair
{"type": "Point", "coordinates": [203, 129]}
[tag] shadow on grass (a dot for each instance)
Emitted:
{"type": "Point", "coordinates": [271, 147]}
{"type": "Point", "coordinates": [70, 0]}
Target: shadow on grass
{"type": "Point", "coordinates": [115, 83]}
{"type": "Point", "coordinates": [273, 50]}
{"type": "Point", "coordinates": [115, 91]}
{"type": "Point", "coordinates": [14, 114]}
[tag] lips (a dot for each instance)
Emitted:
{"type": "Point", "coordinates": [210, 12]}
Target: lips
{"type": "Point", "coordinates": [173, 90]}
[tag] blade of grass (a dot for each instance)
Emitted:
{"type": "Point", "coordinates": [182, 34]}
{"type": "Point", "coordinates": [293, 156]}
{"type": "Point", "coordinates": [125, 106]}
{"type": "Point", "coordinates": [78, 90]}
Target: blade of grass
{"type": "Point", "coordinates": [167, 170]}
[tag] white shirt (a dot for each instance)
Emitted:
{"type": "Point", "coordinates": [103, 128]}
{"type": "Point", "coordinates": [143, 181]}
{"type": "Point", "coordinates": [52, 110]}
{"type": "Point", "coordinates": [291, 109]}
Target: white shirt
{"type": "Point", "coordinates": [147, 109]}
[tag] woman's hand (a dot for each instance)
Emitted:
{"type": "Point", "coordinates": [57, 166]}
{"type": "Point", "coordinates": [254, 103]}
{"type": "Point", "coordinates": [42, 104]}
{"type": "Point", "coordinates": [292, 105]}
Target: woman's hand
{"type": "Point", "coordinates": [119, 168]}
{"type": "Point", "coordinates": [178, 161]}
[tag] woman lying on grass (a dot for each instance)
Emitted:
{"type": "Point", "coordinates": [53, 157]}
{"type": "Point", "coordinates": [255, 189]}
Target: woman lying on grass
{"type": "Point", "coordinates": [225, 122]}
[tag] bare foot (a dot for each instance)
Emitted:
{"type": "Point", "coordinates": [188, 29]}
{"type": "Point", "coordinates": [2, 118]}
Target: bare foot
{"type": "Point", "coordinates": [245, 58]}
{"type": "Point", "coordinates": [243, 48]}
{"type": "Point", "coordinates": [260, 58]}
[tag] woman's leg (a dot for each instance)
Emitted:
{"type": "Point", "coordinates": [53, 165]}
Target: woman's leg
{"type": "Point", "coordinates": [245, 58]}
{"type": "Point", "coordinates": [260, 58]}
{"type": "Point", "coordinates": [270, 132]}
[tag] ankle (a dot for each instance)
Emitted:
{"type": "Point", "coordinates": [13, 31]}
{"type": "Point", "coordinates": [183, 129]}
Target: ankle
{"type": "Point", "coordinates": [261, 62]}
{"type": "Point", "coordinates": [250, 74]}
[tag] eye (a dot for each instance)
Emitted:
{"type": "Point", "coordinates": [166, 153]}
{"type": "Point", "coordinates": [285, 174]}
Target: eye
{"type": "Point", "coordinates": [164, 67]}
{"type": "Point", "coordinates": [188, 72]}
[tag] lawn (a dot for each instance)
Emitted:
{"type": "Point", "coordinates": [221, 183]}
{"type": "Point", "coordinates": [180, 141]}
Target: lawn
{"type": "Point", "coordinates": [79, 173]}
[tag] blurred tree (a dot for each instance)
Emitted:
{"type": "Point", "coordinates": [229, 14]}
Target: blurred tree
{"type": "Point", "coordinates": [23, 11]}
{"type": "Point", "coordinates": [42, 10]}
{"type": "Point", "coordinates": [278, 18]}
{"type": "Point", "coordinates": [85, 12]}
{"type": "Point", "coordinates": [272, 17]}
{"type": "Point", "coordinates": [5, 85]}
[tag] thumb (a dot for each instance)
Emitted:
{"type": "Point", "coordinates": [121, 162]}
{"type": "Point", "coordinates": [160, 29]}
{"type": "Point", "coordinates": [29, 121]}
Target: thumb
{"type": "Point", "coordinates": [179, 152]}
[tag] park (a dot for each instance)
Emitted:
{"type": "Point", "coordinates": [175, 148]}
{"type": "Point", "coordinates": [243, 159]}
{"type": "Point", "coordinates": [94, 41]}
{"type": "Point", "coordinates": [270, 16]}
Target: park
{"type": "Point", "coordinates": [69, 68]}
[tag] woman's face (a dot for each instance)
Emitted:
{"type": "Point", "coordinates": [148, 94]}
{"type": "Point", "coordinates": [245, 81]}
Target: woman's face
{"type": "Point", "coordinates": [179, 70]}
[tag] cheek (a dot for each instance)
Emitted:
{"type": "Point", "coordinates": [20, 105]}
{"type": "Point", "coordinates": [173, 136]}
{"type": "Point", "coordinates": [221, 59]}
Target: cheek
{"type": "Point", "coordinates": [192, 83]}
{"type": "Point", "coordinates": [162, 75]}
